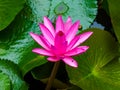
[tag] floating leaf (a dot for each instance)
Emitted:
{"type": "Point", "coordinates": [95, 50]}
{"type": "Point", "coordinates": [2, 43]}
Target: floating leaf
{"type": "Point", "coordinates": [13, 76]}
{"type": "Point", "coordinates": [94, 71]}
{"type": "Point", "coordinates": [16, 43]}
{"type": "Point", "coordinates": [8, 10]}
{"type": "Point", "coordinates": [114, 13]}
{"type": "Point", "coordinates": [4, 82]}
{"type": "Point", "coordinates": [78, 9]}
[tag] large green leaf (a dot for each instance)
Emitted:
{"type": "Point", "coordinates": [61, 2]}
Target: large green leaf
{"type": "Point", "coordinates": [4, 82]}
{"type": "Point", "coordinates": [8, 10]}
{"type": "Point", "coordinates": [82, 10]}
{"type": "Point", "coordinates": [11, 73]}
{"type": "Point", "coordinates": [115, 18]}
{"type": "Point", "coordinates": [16, 43]}
{"type": "Point", "coordinates": [95, 72]}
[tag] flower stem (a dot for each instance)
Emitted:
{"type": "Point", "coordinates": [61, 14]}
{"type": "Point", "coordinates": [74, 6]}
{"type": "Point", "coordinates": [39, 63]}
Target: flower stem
{"type": "Point", "coordinates": [52, 76]}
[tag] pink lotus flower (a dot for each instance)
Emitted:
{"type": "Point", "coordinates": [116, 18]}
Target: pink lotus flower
{"type": "Point", "coordinates": [61, 42]}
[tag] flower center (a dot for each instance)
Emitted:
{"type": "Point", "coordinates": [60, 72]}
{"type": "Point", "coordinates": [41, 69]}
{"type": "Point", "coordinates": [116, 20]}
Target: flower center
{"type": "Point", "coordinates": [60, 33]}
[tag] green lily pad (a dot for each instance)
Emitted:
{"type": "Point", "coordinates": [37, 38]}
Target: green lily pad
{"type": "Point", "coordinates": [83, 10]}
{"type": "Point", "coordinates": [8, 10]}
{"type": "Point", "coordinates": [5, 83]}
{"type": "Point", "coordinates": [96, 70]}
{"type": "Point", "coordinates": [16, 44]}
{"type": "Point", "coordinates": [78, 9]}
{"type": "Point", "coordinates": [11, 74]}
{"type": "Point", "coordinates": [114, 13]}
